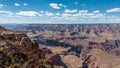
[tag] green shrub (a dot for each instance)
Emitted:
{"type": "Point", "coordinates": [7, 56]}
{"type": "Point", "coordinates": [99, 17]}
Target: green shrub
{"type": "Point", "coordinates": [44, 64]}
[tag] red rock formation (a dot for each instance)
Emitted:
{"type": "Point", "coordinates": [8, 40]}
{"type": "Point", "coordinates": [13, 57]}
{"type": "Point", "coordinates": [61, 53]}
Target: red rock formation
{"type": "Point", "coordinates": [52, 58]}
{"type": "Point", "coordinates": [17, 50]}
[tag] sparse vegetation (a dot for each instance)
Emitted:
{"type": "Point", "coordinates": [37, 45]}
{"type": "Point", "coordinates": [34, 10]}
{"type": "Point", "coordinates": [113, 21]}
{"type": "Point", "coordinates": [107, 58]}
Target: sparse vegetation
{"type": "Point", "coordinates": [43, 64]}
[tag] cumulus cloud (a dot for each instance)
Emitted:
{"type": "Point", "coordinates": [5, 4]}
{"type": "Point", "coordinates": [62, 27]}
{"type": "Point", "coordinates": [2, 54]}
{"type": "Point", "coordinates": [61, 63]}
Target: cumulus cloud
{"type": "Point", "coordinates": [98, 16]}
{"type": "Point", "coordinates": [66, 15]}
{"type": "Point", "coordinates": [84, 14]}
{"type": "Point", "coordinates": [79, 14]}
{"type": "Point", "coordinates": [57, 6]}
{"type": "Point", "coordinates": [96, 11]}
{"type": "Point", "coordinates": [28, 13]}
{"type": "Point", "coordinates": [49, 14]}
{"type": "Point", "coordinates": [25, 4]}
{"type": "Point", "coordinates": [17, 4]}
{"type": "Point", "coordinates": [112, 17]}
{"type": "Point", "coordinates": [6, 13]}
{"type": "Point", "coordinates": [54, 5]}
{"type": "Point", "coordinates": [83, 11]}
{"type": "Point", "coordinates": [62, 5]}
{"type": "Point", "coordinates": [70, 11]}
{"type": "Point", "coordinates": [57, 14]}
{"type": "Point", "coordinates": [42, 11]}
{"type": "Point", "coordinates": [113, 10]}
{"type": "Point", "coordinates": [1, 5]}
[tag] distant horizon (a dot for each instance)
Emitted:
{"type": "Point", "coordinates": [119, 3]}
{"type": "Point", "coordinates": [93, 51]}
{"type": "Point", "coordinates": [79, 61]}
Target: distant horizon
{"type": "Point", "coordinates": [51, 23]}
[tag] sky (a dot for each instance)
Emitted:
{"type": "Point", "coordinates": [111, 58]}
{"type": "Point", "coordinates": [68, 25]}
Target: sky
{"type": "Point", "coordinates": [60, 11]}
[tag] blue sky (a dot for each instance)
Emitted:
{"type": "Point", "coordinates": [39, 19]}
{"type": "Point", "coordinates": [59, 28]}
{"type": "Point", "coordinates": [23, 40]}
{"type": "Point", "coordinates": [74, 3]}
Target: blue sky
{"type": "Point", "coordinates": [60, 11]}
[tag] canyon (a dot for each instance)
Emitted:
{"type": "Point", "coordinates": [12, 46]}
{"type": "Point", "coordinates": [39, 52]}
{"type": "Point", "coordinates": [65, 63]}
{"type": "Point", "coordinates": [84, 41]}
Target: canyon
{"type": "Point", "coordinates": [68, 45]}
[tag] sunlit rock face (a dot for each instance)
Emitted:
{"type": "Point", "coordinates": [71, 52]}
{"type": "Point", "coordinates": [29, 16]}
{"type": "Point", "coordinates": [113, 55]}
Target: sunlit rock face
{"type": "Point", "coordinates": [17, 50]}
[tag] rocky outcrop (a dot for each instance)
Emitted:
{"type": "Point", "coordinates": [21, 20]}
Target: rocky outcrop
{"type": "Point", "coordinates": [52, 58]}
{"type": "Point", "coordinates": [90, 62]}
{"type": "Point", "coordinates": [31, 49]}
{"type": "Point", "coordinates": [97, 58]}
{"type": "Point", "coordinates": [18, 51]}
{"type": "Point", "coordinates": [111, 46]}
{"type": "Point", "coordinates": [2, 28]}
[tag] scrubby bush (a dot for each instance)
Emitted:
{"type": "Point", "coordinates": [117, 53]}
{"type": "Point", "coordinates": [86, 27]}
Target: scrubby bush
{"type": "Point", "coordinates": [44, 64]}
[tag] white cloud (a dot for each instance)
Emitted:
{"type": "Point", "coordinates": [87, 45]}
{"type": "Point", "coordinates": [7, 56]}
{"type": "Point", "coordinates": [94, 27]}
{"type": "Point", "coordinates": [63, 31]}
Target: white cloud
{"type": "Point", "coordinates": [40, 14]}
{"type": "Point", "coordinates": [57, 6]}
{"type": "Point", "coordinates": [1, 5]}
{"type": "Point", "coordinates": [54, 5]}
{"type": "Point", "coordinates": [79, 14]}
{"type": "Point", "coordinates": [70, 11]}
{"type": "Point", "coordinates": [6, 13]}
{"type": "Point", "coordinates": [112, 17]}
{"type": "Point", "coordinates": [96, 11]}
{"type": "Point", "coordinates": [25, 4]}
{"type": "Point", "coordinates": [28, 13]}
{"type": "Point", "coordinates": [42, 11]}
{"type": "Point", "coordinates": [83, 11]}
{"type": "Point", "coordinates": [98, 16]}
{"type": "Point", "coordinates": [62, 5]}
{"type": "Point", "coordinates": [49, 14]}
{"type": "Point", "coordinates": [113, 10]}
{"type": "Point", "coordinates": [57, 14]}
{"type": "Point", "coordinates": [118, 20]}
{"type": "Point", "coordinates": [66, 15]}
{"type": "Point", "coordinates": [17, 4]}
{"type": "Point", "coordinates": [85, 14]}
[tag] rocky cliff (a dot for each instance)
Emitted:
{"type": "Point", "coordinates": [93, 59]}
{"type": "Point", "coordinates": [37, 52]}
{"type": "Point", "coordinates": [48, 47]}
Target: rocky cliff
{"type": "Point", "coordinates": [18, 51]}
